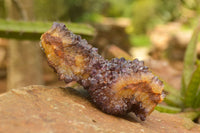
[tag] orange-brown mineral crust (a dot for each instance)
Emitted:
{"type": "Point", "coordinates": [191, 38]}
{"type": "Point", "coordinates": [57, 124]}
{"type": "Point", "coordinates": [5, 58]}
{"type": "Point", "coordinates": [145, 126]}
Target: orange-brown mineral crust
{"type": "Point", "coordinates": [117, 86]}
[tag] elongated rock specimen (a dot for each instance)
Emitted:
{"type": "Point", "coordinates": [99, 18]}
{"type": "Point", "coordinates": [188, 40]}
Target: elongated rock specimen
{"type": "Point", "coordinates": [117, 86]}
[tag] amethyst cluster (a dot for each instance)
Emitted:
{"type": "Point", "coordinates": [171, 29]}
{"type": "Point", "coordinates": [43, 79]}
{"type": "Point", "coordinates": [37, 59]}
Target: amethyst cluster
{"type": "Point", "coordinates": [117, 86]}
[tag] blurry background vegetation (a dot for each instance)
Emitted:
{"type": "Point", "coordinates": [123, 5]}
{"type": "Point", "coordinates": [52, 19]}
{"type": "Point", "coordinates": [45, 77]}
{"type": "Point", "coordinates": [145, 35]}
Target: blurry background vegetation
{"type": "Point", "coordinates": [143, 14]}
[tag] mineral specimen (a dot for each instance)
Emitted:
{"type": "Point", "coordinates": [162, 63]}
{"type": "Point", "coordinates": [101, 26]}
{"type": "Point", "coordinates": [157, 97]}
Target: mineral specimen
{"type": "Point", "coordinates": [117, 86]}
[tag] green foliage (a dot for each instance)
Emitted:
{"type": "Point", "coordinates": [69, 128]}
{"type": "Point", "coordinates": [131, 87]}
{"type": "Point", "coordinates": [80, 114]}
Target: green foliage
{"type": "Point", "coordinates": [140, 40]}
{"type": "Point", "coordinates": [143, 11]}
{"type": "Point", "coordinates": [33, 30]}
{"type": "Point", "coordinates": [79, 9]}
{"type": "Point", "coordinates": [49, 9]}
{"type": "Point", "coordinates": [197, 100]}
{"type": "Point", "coordinates": [191, 4]}
{"type": "Point", "coordinates": [118, 9]}
{"type": "Point", "coordinates": [189, 60]}
{"type": "Point", "coordinates": [189, 97]}
{"type": "Point", "coordinates": [168, 10]}
{"type": "Point", "coordinates": [67, 10]}
{"type": "Point", "coordinates": [192, 89]}
{"type": "Point", "coordinates": [191, 115]}
{"type": "Point", "coordinates": [174, 99]}
{"type": "Point", "coordinates": [2, 9]}
{"type": "Point", "coordinates": [92, 11]}
{"type": "Point", "coordinates": [146, 13]}
{"type": "Point", "coordinates": [167, 109]}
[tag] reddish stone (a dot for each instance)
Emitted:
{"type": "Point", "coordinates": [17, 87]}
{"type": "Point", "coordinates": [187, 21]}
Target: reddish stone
{"type": "Point", "coordinates": [42, 109]}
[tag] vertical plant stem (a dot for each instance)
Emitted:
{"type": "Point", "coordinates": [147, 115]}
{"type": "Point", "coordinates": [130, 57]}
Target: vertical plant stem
{"type": "Point", "coordinates": [197, 98]}
{"type": "Point", "coordinates": [189, 60]}
{"type": "Point", "coordinates": [191, 92]}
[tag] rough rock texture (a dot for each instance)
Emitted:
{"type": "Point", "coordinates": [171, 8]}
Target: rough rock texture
{"type": "Point", "coordinates": [49, 110]}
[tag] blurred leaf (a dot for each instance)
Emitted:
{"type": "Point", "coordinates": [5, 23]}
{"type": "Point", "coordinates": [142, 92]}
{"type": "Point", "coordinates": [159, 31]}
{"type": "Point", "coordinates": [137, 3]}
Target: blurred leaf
{"type": "Point", "coordinates": [191, 92]}
{"type": "Point", "coordinates": [49, 9]}
{"type": "Point", "coordinates": [116, 8]}
{"type": "Point", "coordinates": [171, 89]}
{"type": "Point", "coordinates": [140, 40]}
{"type": "Point", "coordinates": [2, 9]}
{"type": "Point", "coordinates": [197, 99]}
{"type": "Point", "coordinates": [141, 17]}
{"type": "Point", "coordinates": [167, 109]}
{"type": "Point", "coordinates": [33, 30]}
{"type": "Point", "coordinates": [172, 100]}
{"type": "Point", "coordinates": [173, 97]}
{"type": "Point", "coordinates": [189, 60]}
{"type": "Point", "coordinates": [191, 115]}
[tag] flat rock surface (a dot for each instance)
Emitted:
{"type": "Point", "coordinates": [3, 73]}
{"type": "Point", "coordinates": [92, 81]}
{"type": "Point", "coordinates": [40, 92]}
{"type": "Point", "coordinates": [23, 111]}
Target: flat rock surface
{"type": "Point", "coordinates": [36, 109]}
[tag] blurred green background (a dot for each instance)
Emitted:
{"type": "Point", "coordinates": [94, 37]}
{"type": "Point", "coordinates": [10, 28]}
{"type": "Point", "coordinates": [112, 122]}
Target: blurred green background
{"type": "Point", "coordinates": [141, 15]}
